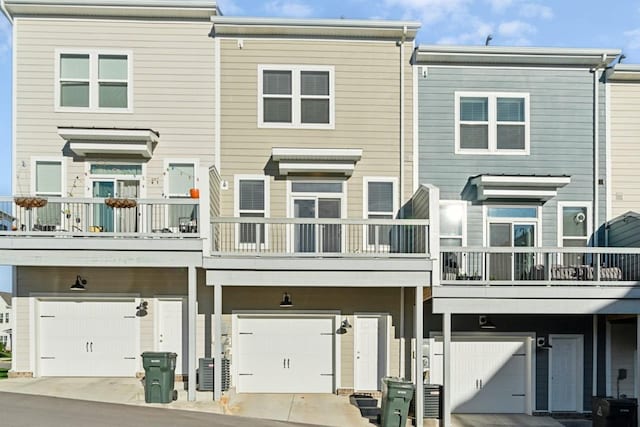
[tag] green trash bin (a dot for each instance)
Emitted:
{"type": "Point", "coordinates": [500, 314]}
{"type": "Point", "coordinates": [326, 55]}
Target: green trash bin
{"type": "Point", "coordinates": [396, 398]}
{"type": "Point", "coordinates": [159, 377]}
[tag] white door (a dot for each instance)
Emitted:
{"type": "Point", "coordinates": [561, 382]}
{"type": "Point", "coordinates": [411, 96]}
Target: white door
{"type": "Point", "coordinates": [285, 355]}
{"type": "Point", "coordinates": [566, 364]}
{"type": "Point", "coordinates": [170, 324]}
{"type": "Point", "coordinates": [487, 375]}
{"type": "Point", "coordinates": [87, 338]}
{"type": "Point", "coordinates": [367, 348]}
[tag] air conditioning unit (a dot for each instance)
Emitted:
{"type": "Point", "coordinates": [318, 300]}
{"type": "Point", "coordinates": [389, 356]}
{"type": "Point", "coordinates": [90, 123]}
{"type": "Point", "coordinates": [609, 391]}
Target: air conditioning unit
{"type": "Point", "coordinates": [205, 374]}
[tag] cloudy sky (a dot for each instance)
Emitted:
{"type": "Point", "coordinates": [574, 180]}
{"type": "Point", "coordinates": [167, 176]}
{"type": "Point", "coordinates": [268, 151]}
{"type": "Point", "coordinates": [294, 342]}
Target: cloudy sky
{"type": "Point", "coordinates": [570, 23]}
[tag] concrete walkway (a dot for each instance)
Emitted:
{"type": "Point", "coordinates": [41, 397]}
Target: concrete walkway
{"type": "Point", "coordinates": [502, 420]}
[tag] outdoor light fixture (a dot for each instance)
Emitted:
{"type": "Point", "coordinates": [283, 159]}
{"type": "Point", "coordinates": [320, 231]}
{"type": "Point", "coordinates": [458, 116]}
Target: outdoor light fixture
{"type": "Point", "coordinates": [542, 344]}
{"type": "Point", "coordinates": [485, 323]}
{"type": "Point", "coordinates": [345, 324]}
{"type": "Point", "coordinates": [286, 301]}
{"type": "Point", "coordinates": [141, 310]}
{"type": "Point", "coordinates": [79, 285]}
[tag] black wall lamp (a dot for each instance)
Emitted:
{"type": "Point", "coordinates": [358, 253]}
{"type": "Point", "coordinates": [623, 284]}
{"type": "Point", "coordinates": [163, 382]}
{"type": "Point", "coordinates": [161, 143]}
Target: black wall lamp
{"type": "Point", "coordinates": [286, 301]}
{"type": "Point", "coordinates": [142, 309]}
{"type": "Point", "coordinates": [485, 323]}
{"type": "Point", "coordinates": [79, 285]}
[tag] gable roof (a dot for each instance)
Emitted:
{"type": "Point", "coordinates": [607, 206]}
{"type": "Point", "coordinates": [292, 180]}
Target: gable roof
{"type": "Point", "coordinates": [6, 296]}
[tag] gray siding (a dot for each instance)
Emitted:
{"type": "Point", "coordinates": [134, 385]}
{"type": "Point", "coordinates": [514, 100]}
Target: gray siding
{"type": "Point", "coordinates": [561, 131]}
{"type": "Point", "coordinates": [624, 232]}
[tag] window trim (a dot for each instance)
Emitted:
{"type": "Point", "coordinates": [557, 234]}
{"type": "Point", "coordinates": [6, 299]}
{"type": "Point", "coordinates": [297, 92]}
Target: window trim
{"type": "Point", "coordinates": [167, 163]}
{"type": "Point", "coordinates": [492, 123]}
{"type": "Point", "coordinates": [63, 175]}
{"type": "Point", "coordinates": [560, 223]}
{"type": "Point", "coordinates": [94, 87]}
{"type": "Point", "coordinates": [365, 204]}
{"type": "Point", "coordinates": [514, 220]}
{"type": "Point", "coordinates": [296, 96]}
{"type": "Point", "coordinates": [463, 237]}
{"type": "Point", "coordinates": [236, 208]}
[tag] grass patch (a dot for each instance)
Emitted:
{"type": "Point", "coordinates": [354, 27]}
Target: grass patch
{"type": "Point", "coordinates": [3, 373]}
{"type": "Point", "coordinates": [4, 354]}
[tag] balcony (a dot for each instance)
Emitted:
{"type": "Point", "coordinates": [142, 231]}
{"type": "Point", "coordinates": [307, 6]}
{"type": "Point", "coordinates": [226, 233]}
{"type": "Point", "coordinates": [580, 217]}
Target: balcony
{"type": "Point", "coordinates": [525, 266]}
{"type": "Point", "coordinates": [99, 217]}
{"type": "Point", "coordinates": [335, 238]}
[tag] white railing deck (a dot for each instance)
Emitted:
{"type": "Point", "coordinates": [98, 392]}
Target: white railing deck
{"type": "Point", "coordinates": [320, 237]}
{"type": "Point", "coordinates": [91, 217]}
{"type": "Point", "coordinates": [526, 266]}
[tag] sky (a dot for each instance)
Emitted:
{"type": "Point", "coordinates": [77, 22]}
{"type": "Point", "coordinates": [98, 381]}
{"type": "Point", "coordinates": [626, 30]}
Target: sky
{"type": "Point", "coordinates": [557, 23]}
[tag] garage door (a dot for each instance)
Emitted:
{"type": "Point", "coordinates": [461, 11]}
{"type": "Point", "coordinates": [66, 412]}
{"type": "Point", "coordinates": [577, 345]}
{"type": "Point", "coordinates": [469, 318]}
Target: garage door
{"type": "Point", "coordinates": [285, 355]}
{"type": "Point", "coordinates": [88, 338]}
{"type": "Point", "coordinates": [487, 376]}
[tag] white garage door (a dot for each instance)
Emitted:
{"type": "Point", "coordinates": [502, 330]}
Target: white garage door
{"type": "Point", "coordinates": [285, 355]}
{"type": "Point", "coordinates": [88, 338]}
{"type": "Point", "coordinates": [487, 376]}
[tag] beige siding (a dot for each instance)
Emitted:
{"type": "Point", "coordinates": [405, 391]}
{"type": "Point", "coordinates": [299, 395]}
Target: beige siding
{"type": "Point", "coordinates": [173, 91]}
{"type": "Point", "coordinates": [367, 112]}
{"type": "Point", "coordinates": [625, 149]}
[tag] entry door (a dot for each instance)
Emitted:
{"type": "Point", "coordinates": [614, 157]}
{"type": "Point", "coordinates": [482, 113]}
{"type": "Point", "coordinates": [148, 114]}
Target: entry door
{"type": "Point", "coordinates": [368, 343]}
{"type": "Point", "coordinates": [103, 214]}
{"type": "Point", "coordinates": [507, 266]}
{"type": "Point", "coordinates": [125, 220]}
{"type": "Point", "coordinates": [321, 237]}
{"type": "Point", "coordinates": [170, 326]}
{"type": "Point", "coordinates": [566, 360]}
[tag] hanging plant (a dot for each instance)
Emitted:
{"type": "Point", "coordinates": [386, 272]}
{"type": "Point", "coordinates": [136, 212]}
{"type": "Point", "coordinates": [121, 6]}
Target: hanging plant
{"type": "Point", "coordinates": [30, 202]}
{"type": "Point", "coordinates": [120, 203]}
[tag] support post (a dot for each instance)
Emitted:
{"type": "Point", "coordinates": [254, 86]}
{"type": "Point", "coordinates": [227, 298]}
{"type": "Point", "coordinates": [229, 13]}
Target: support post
{"type": "Point", "coordinates": [217, 342]}
{"type": "Point", "coordinates": [193, 317]}
{"type": "Point", "coordinates": [446, 370]}
{"type": "Point", "coordinates": [401, 368]}
{"type": "Point", "coordinates": [419, 328]}
{"type": "Point", "coordinates": [637, 364]}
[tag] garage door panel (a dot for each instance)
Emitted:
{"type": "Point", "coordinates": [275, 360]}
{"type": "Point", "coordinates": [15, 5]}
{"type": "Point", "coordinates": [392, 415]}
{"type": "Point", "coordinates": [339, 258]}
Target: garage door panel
{"type": "Point", "coordinates": [285, 355]}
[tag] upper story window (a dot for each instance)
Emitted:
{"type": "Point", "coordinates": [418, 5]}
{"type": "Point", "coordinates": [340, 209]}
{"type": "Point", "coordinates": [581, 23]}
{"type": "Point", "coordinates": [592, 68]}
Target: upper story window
{"type": "Point", "coordinates": [295, 96]}
{"type": "Point", "coordinates": [574, 224]}
{"type": "Point", "coordinates": [251, 194]}
{"type": "Point", "coordinates": [380, 204]}
{"type": "Point", "coordinates": [94, 81]}
{"type": "Point", "coordinates": [453, 223]}
{"type": "Point", "coordinates": [492, 123]}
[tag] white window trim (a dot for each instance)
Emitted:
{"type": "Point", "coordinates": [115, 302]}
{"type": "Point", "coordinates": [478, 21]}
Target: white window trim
{"type": "Point", "coordinates": [89, 177]}
{"type": "Point", "coordinates": [63, 175]}
{"type": "Point", "coordinates": [365, 204]}
{"type": "Point", "coordinates": [236, 208]}
{"type": "Point", "coordinates": [560, 226]}
{"type": "Point", "coordinates": [537, 221]}
{"type": "Point", "coordinates": [167, 162]}
{"type": "Point", "coordinates": [93, 81]}
{"type": "Point", "coordinates": [463, 205]}
{"type": "Point", "coordinates": [296, 97]}
{"type": "Point", "coordinates": [493, 123]}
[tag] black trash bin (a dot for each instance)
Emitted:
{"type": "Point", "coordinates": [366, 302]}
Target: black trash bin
{"type": "Point", "coordinates": [610, 412]}
{"type": "Point", "coordinates": [159, 377]}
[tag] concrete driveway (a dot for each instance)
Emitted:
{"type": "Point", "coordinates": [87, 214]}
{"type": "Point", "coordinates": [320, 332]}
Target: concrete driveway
{"type": "Point", "coordinates": [319, 409]}
{"type": "Point", "coordinates": [502, 420]}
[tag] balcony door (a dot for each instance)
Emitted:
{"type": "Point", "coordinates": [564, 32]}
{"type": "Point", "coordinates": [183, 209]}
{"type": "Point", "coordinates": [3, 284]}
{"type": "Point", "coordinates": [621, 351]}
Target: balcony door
{"type": "Point", "coordinates": [317, 200]}
{"type": "Point", "coordinates": [119, 181]}
{"type": "Point", "coordinates": [512, 228]}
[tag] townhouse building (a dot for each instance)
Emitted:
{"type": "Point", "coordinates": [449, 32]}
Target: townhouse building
{"type": "Point", "coordinates": [5, 320]}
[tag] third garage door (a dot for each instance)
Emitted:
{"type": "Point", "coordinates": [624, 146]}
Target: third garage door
{"type": "Point", "coordinates": [487, 375]}
{"type": "Point", "coordinates": [285, 355]}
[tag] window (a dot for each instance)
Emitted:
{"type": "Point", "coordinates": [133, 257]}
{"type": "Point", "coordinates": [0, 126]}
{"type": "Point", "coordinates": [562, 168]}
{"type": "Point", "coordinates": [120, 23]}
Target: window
{"type": "Point", "coordinates": [181, 177]}
{"type": "Point", "coordinates": [574, 223]}
{"type": "Point", "coordinates": [94, 80]}
{"type": "Point", "coordinates": [495, 123]}
{"type": "Point", "coordinates": [6, 317]}
{"type": "Point", "coordinates": [251, 202]}
{"type": "Point", "coordinates": [2, 318]}
{"type": "Point", "coordinates": [295, 96]}
{"type": "Point", "coordinates": [452, 223]}
{"type": "Point", "coordinates": [48, 183]}
{"type": "Point", "coordinates": [380, 204]}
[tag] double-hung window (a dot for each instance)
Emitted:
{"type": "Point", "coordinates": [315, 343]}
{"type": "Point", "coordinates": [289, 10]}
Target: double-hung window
{"type": "Point", "coordinates": [296, 96]}
{"type": "Point", "coordinates": [181, 178]}
{"type": "Point", "coordinates": [94, 81]}
{"type": "Point", "coordinates": [574, 223]}
{"type": "Point", "coordinates": [250, 193]}
{"type": "Point", "coordinates": [492, 123]}
{"type": "Point", "coordinates": [48, 183]}
{"type": "Point", "coordinates": [380, 204]}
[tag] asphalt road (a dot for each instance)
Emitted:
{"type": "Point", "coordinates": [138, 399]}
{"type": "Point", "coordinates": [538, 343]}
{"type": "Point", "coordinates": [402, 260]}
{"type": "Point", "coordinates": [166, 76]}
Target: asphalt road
{"type": "Point", "coordinates": [21, 410]}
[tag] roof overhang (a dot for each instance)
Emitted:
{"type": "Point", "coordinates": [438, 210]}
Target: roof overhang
{"type": "Point", "coordinates": [332, 28]}
{"type": "Point", "coordinates": [170, 9]}
{"type": "Point", "coordinates": [518, 187]}
{"type": "Point", "coordinates": [625, 73]}
{"type": "Point", "coordinates": [94, 141]}
{"type": "Point", "coordinates": [524, 56]}
{"type": "Point", "coordinates": [316, 160]}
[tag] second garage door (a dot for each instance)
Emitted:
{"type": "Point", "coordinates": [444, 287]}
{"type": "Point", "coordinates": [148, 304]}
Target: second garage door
{"type": "Point", "coordinates": [285, 355]}
{"type": "Point", "coordinates": [487, 375]}
{"type": "Point", "coordinates": [88, 338]}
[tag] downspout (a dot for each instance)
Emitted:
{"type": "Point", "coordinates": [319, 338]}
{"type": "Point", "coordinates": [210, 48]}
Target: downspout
{"type": "Point", "coordinates": [401, 44]}
{"type": "Point", "coordinates": [596, 150]}
{"type": "Point", "coordinates": [3, 7]}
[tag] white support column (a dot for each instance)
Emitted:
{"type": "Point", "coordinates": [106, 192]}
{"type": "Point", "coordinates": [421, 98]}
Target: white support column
{"type": "Point", "coordinates": [217, 342]}
{"type": "Point", "coordinates": [446, 370]}
{"type": "Point", "coordinates": [637, 364]}
{"type": "Point", "coordinates": [193, 317]}
{"type": "Point", "coordinates": [594, 371]}
{"type": "Point", "coordinates": [419, 328]}
{"type": "Point", "coordinates": [401, 368]}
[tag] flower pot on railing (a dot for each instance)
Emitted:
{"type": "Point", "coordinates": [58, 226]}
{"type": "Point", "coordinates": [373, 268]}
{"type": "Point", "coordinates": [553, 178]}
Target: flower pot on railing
{"type": "Point", "coordinates": [120, 203]}
{"type": "Point", "coordinates": [194, 193]}
{"type": "Point", "coordinates": [30, 202]}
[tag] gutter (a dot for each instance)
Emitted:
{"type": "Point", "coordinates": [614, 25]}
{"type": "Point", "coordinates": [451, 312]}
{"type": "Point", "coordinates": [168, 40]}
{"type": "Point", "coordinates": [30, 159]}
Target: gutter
{"type": "Point", "coordinates": [6, 12]}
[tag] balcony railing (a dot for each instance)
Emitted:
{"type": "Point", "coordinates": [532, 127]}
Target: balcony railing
{"type": "Point", "coordinates": [98, 217]}
{"type": "Point", "coordinates": [320, 237]}
{"type": "Point", "coordinates": [535, 266]}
